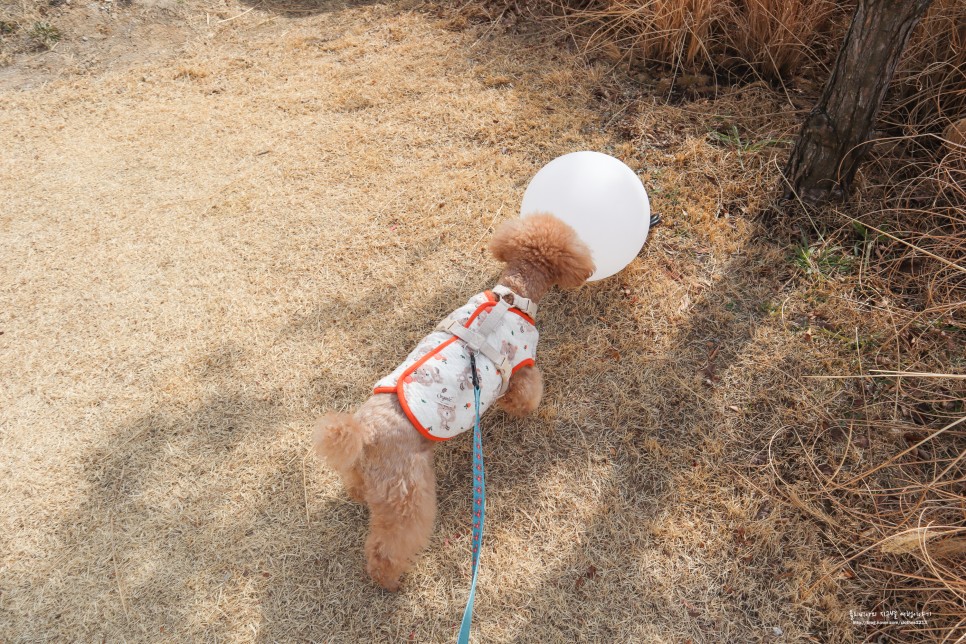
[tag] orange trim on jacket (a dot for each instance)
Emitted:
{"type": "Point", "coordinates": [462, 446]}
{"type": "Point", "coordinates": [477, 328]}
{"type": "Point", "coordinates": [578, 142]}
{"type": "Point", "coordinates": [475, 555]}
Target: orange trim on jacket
{"type": "Point", "coordinates": [397, 389]}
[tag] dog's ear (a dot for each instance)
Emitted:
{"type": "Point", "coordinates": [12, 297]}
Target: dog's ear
{"type": "Point", "coordinates": [505, 244]}
{"type": "Point", "coordinates": [548, 243]}
{"type": "Point", "coordinates": [574, 264]}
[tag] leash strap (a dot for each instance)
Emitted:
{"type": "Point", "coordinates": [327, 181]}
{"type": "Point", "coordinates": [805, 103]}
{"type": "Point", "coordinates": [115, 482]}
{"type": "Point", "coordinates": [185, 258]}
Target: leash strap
{"type": "Point", "coordinates": [479, 507]}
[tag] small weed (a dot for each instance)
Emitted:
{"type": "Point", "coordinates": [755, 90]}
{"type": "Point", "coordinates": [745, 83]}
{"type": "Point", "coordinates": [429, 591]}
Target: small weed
{"type": "Point", "coordinates": [803, 257]}
{"type": "Point", "coordinates": [768, 307]}
{"type": "Point", "coordinates": [822, 262]}
{"type": "Point", "coordinates": [7, 28]}
{"type": "Point", "coordinates": [45, 35]}
{"type": "Point", "coordinates": [671, 196]}
{"type": "Point", "coordinates": [861, 231]}
{"type": "Point", "coordinates": [858, 343]}
{"type": "Point", "coordinates": [732, 138]}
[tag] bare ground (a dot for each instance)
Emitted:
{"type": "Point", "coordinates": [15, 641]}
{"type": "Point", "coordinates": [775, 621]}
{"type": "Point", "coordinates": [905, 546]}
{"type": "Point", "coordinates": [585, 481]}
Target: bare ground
{"type": "Point", "coordinates": [221, 220]}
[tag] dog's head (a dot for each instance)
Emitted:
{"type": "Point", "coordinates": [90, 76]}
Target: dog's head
{"type": "Point", "coordinates": [542, 243]}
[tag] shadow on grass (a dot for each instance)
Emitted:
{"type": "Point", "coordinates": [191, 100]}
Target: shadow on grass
{"type": "Point", "coordinates": [178, 505]}
{"type": "Point", "coordinates": [297, 8]}
{"type": "Point", "coordinates": [639, 451]}
{"type": "Point", "coordinates": [167, 498]}
{"type": "Point", "coordinates": [618, 583]}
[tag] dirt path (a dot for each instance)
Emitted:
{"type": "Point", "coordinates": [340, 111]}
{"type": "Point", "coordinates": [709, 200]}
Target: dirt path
{"type": "Point", "coordinates": [220, 221]}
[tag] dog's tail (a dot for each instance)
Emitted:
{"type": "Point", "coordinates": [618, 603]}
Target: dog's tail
{"type": "Point", "coordinates": [338, 440]}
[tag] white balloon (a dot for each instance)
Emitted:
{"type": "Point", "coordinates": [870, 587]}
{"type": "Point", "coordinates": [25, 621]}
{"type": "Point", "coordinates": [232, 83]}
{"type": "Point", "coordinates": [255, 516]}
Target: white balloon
{"type": "Point", "coordinates": [601, 198]}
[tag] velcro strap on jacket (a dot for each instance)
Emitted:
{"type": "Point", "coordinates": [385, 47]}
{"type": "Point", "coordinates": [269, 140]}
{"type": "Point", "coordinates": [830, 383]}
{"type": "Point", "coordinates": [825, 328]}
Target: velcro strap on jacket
{"type": "Point", "coordinates": [515, 301]}
{"type": "Point", "coordinates": [493, 318]}
{"type": "Point", "coordinates": [478, 341]}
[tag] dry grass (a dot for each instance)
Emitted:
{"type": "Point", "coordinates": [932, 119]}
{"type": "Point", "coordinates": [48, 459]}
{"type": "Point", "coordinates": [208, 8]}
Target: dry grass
{"type": "Point", "coordinates": [29, 26]}
{"type": "Point", "coordinates": [778, 37]}
{"type": "Point", "coordinates": [930, 83]}
{"type": "Point", "coordinates": [877, 465]}
{"type": "Point", "coordinates": [880, 465]}
{"type": "Point", "coordinates": [674, 31]}
{"type": "Point", "coordinates": [897, 494]}
{"type": "Point", "coordinates": [770, 37]}
{"type": "Point", "coordinates": [885, 278]}
{"type": "Point", "coordinates": [55, 38]}
{"type": "Point", "coordinates": [775, 40]}
{"type": "Point", "coordinates": [203, 251]}
{"type": "Point", "coordinates": [887, 470]}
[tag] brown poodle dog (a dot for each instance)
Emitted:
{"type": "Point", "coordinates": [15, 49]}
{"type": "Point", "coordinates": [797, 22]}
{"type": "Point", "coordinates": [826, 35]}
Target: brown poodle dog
{"type": "Point", "coordinates": [382, 458]}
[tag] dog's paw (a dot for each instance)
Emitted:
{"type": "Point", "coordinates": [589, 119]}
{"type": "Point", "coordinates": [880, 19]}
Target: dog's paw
{"type": "Point", "coordinates": [382, 572]}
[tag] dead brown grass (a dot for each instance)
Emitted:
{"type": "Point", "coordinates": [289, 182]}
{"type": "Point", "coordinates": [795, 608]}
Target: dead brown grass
{"type": "Point", "coordinates": [890, 270]}
{"type": "Point", "coordinates": [197, 264]}
{"type": "Point", "coordinates": [57, 38]}
{"type": "Point", "coordinates": [772, 38]}
{"type": "Point", "coordinates": [930, 81]}
{"type": "Point", "coordinates": [889, 470]}
{"type": "Point", "coordinates": [884, 479]}
{"type": "Point", "coordinates": [203, 251]}
{"type": "Point", "coordinates": [674, 31]}
{"type": "Point", "coordinates": [776, 37]}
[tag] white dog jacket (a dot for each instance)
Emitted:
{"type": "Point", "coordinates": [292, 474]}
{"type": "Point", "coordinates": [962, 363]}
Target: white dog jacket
{"type": "Point", "coordinates": [435, 384]}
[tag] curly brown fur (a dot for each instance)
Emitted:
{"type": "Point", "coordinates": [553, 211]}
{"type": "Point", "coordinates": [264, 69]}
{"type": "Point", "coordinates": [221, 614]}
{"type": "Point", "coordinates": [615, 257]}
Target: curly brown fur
{"type": "Point", "coordinates": [540, 251]}
{"type": "Point", "coordinates": [387, 464]}
{"type": "Point", "coordinates": [525, 392]}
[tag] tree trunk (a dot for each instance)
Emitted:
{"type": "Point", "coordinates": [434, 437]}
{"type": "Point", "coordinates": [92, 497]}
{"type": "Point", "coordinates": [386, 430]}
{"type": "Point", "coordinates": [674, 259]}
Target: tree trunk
{"type": "Point", "coordinates": [832, 141]}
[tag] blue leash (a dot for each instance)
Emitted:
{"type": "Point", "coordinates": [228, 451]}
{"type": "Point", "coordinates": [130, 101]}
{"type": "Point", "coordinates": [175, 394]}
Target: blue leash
{"type": "Point", "coordinates": [479, 508]}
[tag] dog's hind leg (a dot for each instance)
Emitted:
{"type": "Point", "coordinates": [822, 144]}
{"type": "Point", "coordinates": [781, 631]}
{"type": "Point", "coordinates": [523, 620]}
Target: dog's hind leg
{"type": "Point", "coordinates": [339, 439]}
{"type": "Point", "coordinates": [355, 485]}
{"type": "Point", "coordinates": [402, 512]}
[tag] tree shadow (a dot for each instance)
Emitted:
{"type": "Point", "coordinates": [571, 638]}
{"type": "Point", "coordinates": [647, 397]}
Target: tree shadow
{"type": "Point", "coordinates": [656, 446]}
{"type": "Point", "coordinates": [159, 503]}
{"type": "Point", "coordinates": [640, 458]}
{"type": "Point", "coordinates": [164, 494]}
{"type": "Point", "coordinates": [302, 8]}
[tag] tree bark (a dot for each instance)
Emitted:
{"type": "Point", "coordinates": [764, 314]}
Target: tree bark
{"type": "Point", "coordinates": [832, 141]}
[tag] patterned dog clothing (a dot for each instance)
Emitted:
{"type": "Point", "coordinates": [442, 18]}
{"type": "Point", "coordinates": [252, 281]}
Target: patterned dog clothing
{"type": "Point", "coordinates": [435, 385]}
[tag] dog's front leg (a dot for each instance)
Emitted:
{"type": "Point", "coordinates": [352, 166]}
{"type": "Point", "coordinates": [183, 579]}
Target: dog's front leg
{"type": "Point", "coordinates": [525, 392]}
